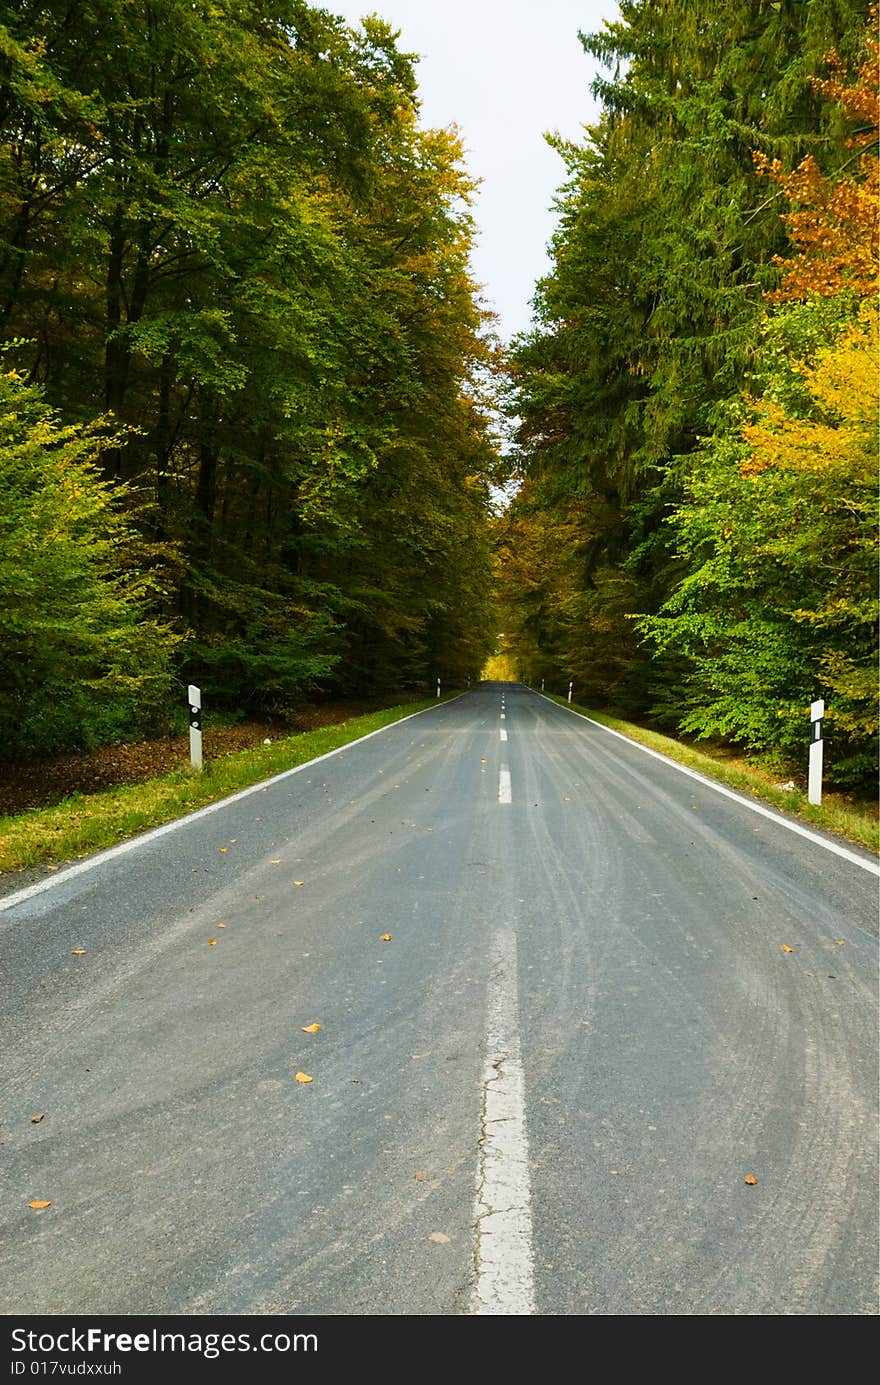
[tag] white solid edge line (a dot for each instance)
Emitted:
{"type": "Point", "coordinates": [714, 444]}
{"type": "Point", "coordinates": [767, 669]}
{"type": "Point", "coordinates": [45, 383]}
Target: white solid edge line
{"type": "Point", "coordinates": [504, 795]}
{"type": "Point", "coordinates": [770, 813]}
{"type": "Point", "coordinates": [8, 901]}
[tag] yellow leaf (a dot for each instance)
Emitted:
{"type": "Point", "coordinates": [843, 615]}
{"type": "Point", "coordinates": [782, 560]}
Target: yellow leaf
{"type": "Point", "coordinates": [750, 1179]}
{"type": "Point", "coordinates": [386, 938]}
{"type": "Point", "coordinates": [786, 948]}
{"type": "Point", "coordinates": [302, 1077]}
{"type": "Point", "coordinates": [439, 1238]}
{"type": "Point", "coordinates": [221, 925]}
{"type": "Point", "coordinates": [420, 1177]}
{"type": "Point", "coordinates": [310, 1028]}
{"type": "Point", "coordinates": [298, 882]}
{"type": "Point", "coordinates": [840, 942]}
{"type": "Point", "coordinates": [35, 1120]}
{"type": "Point", "coordinates": [38, 1204]}
{"type": "Point", "coordinates": [212, 942]}
{"type": "Point", "coordinates": [275, 863]}
{"type": "Point", "coordinates": [224, 848]}
{"type": "Point", "coordinates": [79, 952]}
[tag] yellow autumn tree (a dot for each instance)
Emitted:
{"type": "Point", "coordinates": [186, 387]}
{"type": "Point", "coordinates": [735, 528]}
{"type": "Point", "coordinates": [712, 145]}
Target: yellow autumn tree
{"type": "Point", "coordinates": [841, 433]}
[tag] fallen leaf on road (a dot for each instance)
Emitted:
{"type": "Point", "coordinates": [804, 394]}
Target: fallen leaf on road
{"type": "Point", "coordinates": [440, 1239]}
{"type": "Point", "coordinates": [750, 1179]}
{"type": "Point", "coordinates": [566, 799]}
{"type": "Point", "coordinates": [233, 839]}
{"type": "Point", "coordinates": [224, 848]}
{"type": "Point", "coordinates": [38, 1204]}
{"type": "Point", "coordinates": [786, 948]}
{"type": "Point", "coordinates": [386, 938]}
{"type": "Point", "coordinates": [484, 762]}
{"type": "Point", "coordinates": [79, 952]}
{"type": "Point", "coordinates": [310, 1028]}
{"type": "Point", "coordinates": [35, 1120]}
{"type": "Point", "coordinates": [221, 925]}
{"type": "Point", "coordinates": [420, 1176]}
{"type": "Point", "coordinates": [212, 942]}
{"type": "Point", "coordinates": [275, 863]}
{"type": "Point", "coordinates": [302, 1077]}
{"type": "Point", "coordinates": [298, 882]}
{"type": "Point", "coordinates": [840, 942]}
{"type": "Point", "coordinates": [54, 867]}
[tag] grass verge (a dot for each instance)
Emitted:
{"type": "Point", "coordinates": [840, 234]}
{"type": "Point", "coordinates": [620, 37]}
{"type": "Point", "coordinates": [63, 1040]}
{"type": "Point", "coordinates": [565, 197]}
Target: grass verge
{"type": "Point", "coordinates": [858, 824]}
{"type": "Point", "coordinates": [82, 824]}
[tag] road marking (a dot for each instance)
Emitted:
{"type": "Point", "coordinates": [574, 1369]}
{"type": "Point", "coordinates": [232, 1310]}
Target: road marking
{"type": "Point", "coordinates": [502, 734]}
{"type": "Point", "coordinates": [503, 1258]}
{"type": "Point", "coordinates": [503, 717]}
{"type": "Point", "coordinates": [145, 837]}
{"type": "Point", "coordinates": [780, 821]}
{"type": "Point", "coordinates": [504, 786]}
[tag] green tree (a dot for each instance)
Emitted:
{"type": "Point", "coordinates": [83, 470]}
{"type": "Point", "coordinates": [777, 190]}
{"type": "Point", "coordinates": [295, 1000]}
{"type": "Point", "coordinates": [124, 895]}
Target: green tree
{"type": "Point", "coordinates": [651, 322]}
{"type": "Point", "coordinates": [778, 528]}
{"type": "Point", "coordinates": [81, 658]}
{"type": "Point", "coordinates": [226, 229]}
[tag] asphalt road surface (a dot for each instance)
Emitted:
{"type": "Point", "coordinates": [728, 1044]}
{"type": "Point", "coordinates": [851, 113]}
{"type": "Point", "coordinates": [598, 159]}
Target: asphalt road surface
{"type": "Point", "coordinates": [611, 992]}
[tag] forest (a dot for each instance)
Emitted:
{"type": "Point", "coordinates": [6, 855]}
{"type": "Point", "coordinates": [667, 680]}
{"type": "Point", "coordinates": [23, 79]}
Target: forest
{"type": "Point", "coordinates": [247, 430]}
{"type": "Point", "coordinates": [253, 401]}
{"type": "Point", "coordinates": [694, 537]}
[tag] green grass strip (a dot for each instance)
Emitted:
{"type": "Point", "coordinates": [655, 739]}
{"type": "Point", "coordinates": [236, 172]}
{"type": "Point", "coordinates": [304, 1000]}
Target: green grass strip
{"type": "Point", "coordinates": [850, 821]}
{"type": "Point", "coordinates": [84, 823]}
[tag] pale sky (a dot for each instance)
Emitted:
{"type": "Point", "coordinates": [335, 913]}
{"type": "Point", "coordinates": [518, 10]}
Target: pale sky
{"type": "Point", "coordinates": [504, 72]}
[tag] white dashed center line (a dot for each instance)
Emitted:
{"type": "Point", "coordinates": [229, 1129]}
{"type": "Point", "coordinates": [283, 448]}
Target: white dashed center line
{"type": "Point", "coordinates": [503, 1258]}
{"type": "Point", "coordinates": [504, 786]}
{"type": "Point", "coordinates": [503, 734]}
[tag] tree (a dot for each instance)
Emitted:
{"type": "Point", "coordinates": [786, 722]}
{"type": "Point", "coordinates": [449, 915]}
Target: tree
{"type": "Point", "coordinates": [653, 324]}
{"type": "Point", "coordinates": [82, 659]}
{"type": "Point", "coordinates": [778, 528]}
{"type": "Point", "coordinates": [225, 229]}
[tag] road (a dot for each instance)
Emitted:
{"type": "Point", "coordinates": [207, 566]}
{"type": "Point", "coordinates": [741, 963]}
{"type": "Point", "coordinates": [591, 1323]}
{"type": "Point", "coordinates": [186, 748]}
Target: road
{"type": "Point", "coordinates": [541, 1096]}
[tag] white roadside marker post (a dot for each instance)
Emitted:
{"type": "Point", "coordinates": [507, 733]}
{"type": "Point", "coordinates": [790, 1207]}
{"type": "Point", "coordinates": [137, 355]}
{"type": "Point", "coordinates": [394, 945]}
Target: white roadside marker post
{"type": "Point", "coordinates": [542, 685]}
{"type": "Point", "coordinates": [438, 687]}
{"type": "Point", "coordinates": [814, 780]}
{"type": "Point", "coordinates": [570, 686]}
{"type": "Point", "coordinates": [195, 726]}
